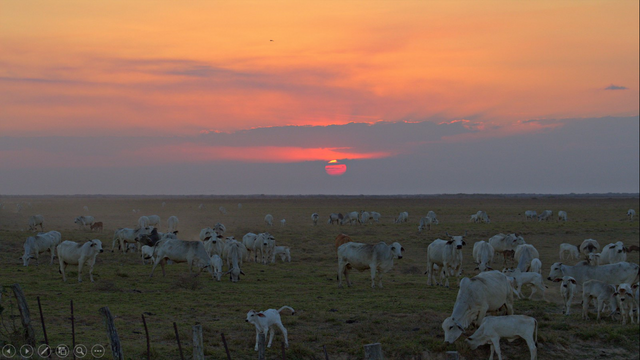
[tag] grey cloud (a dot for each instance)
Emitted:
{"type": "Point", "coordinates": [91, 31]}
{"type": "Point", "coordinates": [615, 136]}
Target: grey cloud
{"type": "Point", "coordinates": [615, 87]}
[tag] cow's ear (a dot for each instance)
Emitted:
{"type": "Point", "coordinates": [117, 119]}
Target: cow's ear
{"type": "Point", "coordinates": [625, 249]}
{"type": "Point", "coordinates": [557, 280]}
{"type": "Point", "coordinates": [401, 249]}
{"type": "Point", "coordinates": [464, 243]}
{"type": "Point", "coordinates": [612, 246]}
{"type": "Point", "coordinates": [634, 286]}
{"type": "Point", "coordinates": [261, 315]}
{"type": "Point", "coordinates": [449, 242]}
{"type": "Point", "coordinates": [573, 281]}
{"type": "Point", "coordinates": [92, 244]}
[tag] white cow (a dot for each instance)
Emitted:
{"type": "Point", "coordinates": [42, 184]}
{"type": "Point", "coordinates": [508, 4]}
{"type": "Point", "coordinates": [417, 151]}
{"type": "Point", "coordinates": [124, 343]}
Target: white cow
{"type": "Point", "coordinates": [126, 235]}
{"type": "Point", "coordinates": [589, 246]}
{"type": "Point", "coordinates": [628, 302]}
{"type": "Point", "coordinates": [403, 217]}
{"type": "Point", "coordinates": [602, 292]}
{"type": "Point", "coordinates": [375, 216]}
{"type": "Point", "coordinates": [216, 262]}
{"type": "Point", "coordinates": [447, 254]}
{"type": "Point", "coordinates": [377, 258]}
{"type": "Point", "coordinates": [613, 253]}
{"type": "Point", "coordinates": [614, 274]}
{"type": "Point", "coordinates": [84, 221]}
{"type": "Point", "coordinates": [214, 245]}
{"type": "Point", "coordinates": [172, 223]}
{"type": "Point", "coordinates": [191, 252]}
{"type": "Point", "coordinates": [284, 253]}
{"type": "Point", "coordinates": [248, 240]}
{"type": "Point", "coordinates": [283, 222]}
{"type": "Point", "coordinates": [73, 253]}
{"type": "Point", "coordinates": [567, 290]}
{"type": "Point", "coordinates": [315, 217]}
{"type": "Point", "coordinates": [631, 214]}
{"type": "Point", "coordinates": [482, 216]}
{"type": "Point", "coordinates": [510, 327]}
{"type": "Point", "coordinates": [234, 252]}
{"type": "Point", "coordinates": [206, 234]}
{"type": "Point", "coordinates": [333, 218]}
{"type": "Point", "coordinates": [434, 218]}
{"type": "Point", "coordinates": [545, 215]}
{"type": "Point", "coordinates": [34, 245]}
{"type": "Point", "coordinates": [352, 218]}
{"type": "Point", "coordinates": [35, 221]}
{"type": "Point", "coordinates": [532, 279]}
{"type": "Point", "coordinates": [572, 250]}
{"type": "Point", "coordinates": [562, 215]}
{"type": "Point", "coordinates": [219, 229]}
{"type": "Point", "coordinates": [143, 221]}
{"type": "Point", "coordinates": [146, 252]}
{"type": "Point", "coordinates": [154, 220]}
{"type": "Point", "coordinates": [365, 217]}
{"type": "Point", "coordinates": [474, 218]}
{"type": "Point", "coordinates": [524, 254]}
{"type": "Point", "coordinates": [536, 266]}
{"type": "Point", "coordinates": [265, 243]}
{"type": "Point", "coordinates": [268, 219]}
{"type": "Point", "coordinates": [487, 291]}
{"type": "Point", "coordinates": [265, 321]}
{"type": "Point", "coordinates": [483, 255]}
{"type": "Point", "coordinates": [222, 210]}
{"type": "Point", "coordinates": [86, 208]}
{"type": "Point", "coordinates": [593, 259]}
{"type": "Point", "coordinates": [530, 214]}
{"type": "Point", "coordinates": [502, 243]}
{"type": "Point", "coordinates": [425, 222]}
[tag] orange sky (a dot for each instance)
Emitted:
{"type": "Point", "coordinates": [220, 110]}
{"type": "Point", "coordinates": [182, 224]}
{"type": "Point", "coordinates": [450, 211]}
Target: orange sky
{"type": "Point", "coordinates": [166, 67]}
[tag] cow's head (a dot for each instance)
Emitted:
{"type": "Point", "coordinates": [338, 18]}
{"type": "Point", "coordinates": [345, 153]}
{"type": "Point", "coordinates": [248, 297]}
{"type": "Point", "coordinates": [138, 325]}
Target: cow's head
{"type": "Point", "coordinates": [457, 241]}
{"type": "Point", "coordinates": [556, 272]}
{"type": "Point", "coordinates": [452, 330]}
{"type": "Point", "coordinates": [396, 250]}
{"type": "Point", "coordinates": [96, 245]}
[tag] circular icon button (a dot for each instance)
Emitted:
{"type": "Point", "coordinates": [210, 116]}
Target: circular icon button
{"type": "Point", "coordinates": [97, 351]}
{"type": "Point", "coordinates": [26, 351]}
{"type": "Point", "coordinates": [62, 351]}
{"type": "Point", "coordinates": [9, 351]}
{"type": "Point", "coordinates": [80, 350]}
{"type": "Point", "coordinates": [44, 351]}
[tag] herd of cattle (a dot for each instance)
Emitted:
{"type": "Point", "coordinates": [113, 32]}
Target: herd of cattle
{"type": "Point", "coordinates": [601, 271]}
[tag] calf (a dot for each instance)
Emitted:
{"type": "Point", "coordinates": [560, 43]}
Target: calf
{"type": "Point", "coordinates": [510, 327]}
{"type": "Point", "coordinates": [569, 249]}
{"type": "Point", "coordinates": [342, 239]}
{"type": "Point", "coordinates": [96, 226]}
{"type": "Point", "coordinates": [34, 245]}
{"type": "Point", "coordinates": [627, 302]}
{"type": "Point", "coordinates": [536, 266]}
{"type": "Point", "coordinates": [265, 321]}
{"type": "Point", "coordinates": [533, 279]}
{"type": "Point", "coordinates": [283, 252]}
{"type": "Point", "coordinates": [216, 262]}
{"type": "Point", "coordinates": [72, 253]}
{"type": "Point", "coordinates": [147, 253]}
{"type": "Point", "coordinates": [567, 289]}
{"type": "Point", "coordinates": [600, 291]}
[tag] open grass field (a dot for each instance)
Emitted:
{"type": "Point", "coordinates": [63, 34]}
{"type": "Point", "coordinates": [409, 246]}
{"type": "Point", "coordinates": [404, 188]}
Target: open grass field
{"type": "Point", "coordinates": [405, 316]}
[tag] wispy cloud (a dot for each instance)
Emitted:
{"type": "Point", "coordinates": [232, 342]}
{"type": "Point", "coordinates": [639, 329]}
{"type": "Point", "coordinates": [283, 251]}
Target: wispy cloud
{"type": "Point", "coordinates": [616, 87]}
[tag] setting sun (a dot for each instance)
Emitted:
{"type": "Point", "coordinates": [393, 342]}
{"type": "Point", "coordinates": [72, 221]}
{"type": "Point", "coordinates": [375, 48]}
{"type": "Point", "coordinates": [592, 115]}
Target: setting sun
{"type": "Point", "coordinates": [335, 169]}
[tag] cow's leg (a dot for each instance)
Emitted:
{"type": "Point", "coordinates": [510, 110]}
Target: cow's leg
{"type": "Point", "coordinates": [63, 266]}
{"type": "Point", "coordinates": [273, 332]}
{"type": "Point", "coordinates": [53, 254]}
{"type": "Point", "coordinates": [80, 264]}
{"type": "Point", "coordinates": [257, 339]}
{"type": "Point", "coordinates": [373, 275]}
{"type": "Point", "coordinates": [492, 351]}
{"type": "Point", "coordinates": [158, 259]}
{"type": "Point", "coordinates": [284, 333]}
{"type": "Point", "coordinates": [340, 273]}
{"type": "Point", "coordinates": [532, 346]}
{"type": "Point", "coordinates": [428, 272]}
{"type": "Point", "coordinates": [91, 263]}
{"type": "Point", "coordinates": [496, 346]}
{"type": "Point", "coordinates": [585, 308]}
{"type": "Point", "coordinates": [600, 308]}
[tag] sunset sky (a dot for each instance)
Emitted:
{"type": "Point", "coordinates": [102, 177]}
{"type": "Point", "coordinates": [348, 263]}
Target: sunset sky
{"type": "Point", "coordinates": [247, 97]}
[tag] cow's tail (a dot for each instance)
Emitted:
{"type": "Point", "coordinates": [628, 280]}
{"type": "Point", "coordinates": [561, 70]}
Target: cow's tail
{"type": "Point", "coordinates": [287, 307]}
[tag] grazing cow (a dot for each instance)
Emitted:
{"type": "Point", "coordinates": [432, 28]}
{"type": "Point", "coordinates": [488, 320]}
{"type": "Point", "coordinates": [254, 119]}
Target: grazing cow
{"type": "Point", "coordinates": [631, 214]}
{"type": "Point", "coordinates": [333, 218]}
{"type": "Point", "coordinates": [375, 216]}
{"type": "Point", "coordinates": [265, 321]}
{"type": "Point", "coordinates": [613, 253]}
{"type": "Point", "coordinates": [510, 327]}
{"type": "Point", "coordinates": [234, 252]}
{"type": "Point", "coordinates": [365, 217]}
{"type": "Point", "coordinates": [474, 218]}
{"type": "Point", "coordinates": [352, 218]}
{"type": "Point", "coordinates": [545, 215]}
{"type": "Point", "coordinates": [216, 262]}
{"type": "Point", "coordinates": [589, 246]}
{"type": "Point", "coordinates": [154, 220]}
{"type": "Point", "coordinates": [248, 240]}
{"type": "Point", "coordinates": [536, 266]}
{"type": "Point", "coordinates": [191, 252]}
{"type": "Point", "coordinates": [601, 291]}
{"type": "Point", "coordinates": [403, 217]}
{"type": "Point", "coordinates": [487, 291]}
{"type": "Point", "coordinates": [524, 254]}
{"type": "Point", "coordinates": [342, 239]}
{"type": "Point", "coordinates": [502, 243]}
{"type": "Point", "coordinates": [614, 274]}
{"type": "Point", "coordinates": [530, 214]}
{"type": "Point", "coordinates": [532, 279]}
{"type": "Point", "coordinates": [377, 258]}
{"type": "Point", "coordinates": [284, 253]}
{"type": "Point", "coordinates": [84, 221]}
{"type": "Point", "coordinates": [447, 255]}
{"type": "Point", "coordinates": [562, 215]}
{"type": "Point", "coordinates": [567, 289]}
{"type": "Point", "coordinates": [73, 253]}
{"type": "Point", "coordinates": [434, 218]}
{"type": "Point", "coordinates": [146, 252]}
{"type": "Point", "coordinates": [35, 221]}
{"type": "Point", "coordinates": [172, 223]}
{"type": "Point", "coordinates": [143, 221]}
{"type": "Point", "coordinates": [269, 219]}
{"type": "Point", "coordinates": [283, 222]}
{"type": "Point", "coordinates": [483, 255]}
{"type": "Point", "coordinates": [97, 226]}
{"type": "Point", "coordinates": [482, 216]}
{"type": "Point", "coordinates": [425, 222]}
{"type": "Point", "coordinates": [34, 245]}
{"type": "Point", "coordinates": [315, 217]}
{"type": "Point", "coordinates": [571, 249]}
{"type": "Point", "coordinates": [126, 235]}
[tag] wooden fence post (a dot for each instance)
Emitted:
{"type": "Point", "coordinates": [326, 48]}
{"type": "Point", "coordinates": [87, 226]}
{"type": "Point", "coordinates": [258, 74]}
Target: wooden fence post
{"type": "Point", "coordinates": [226, 348]}
{"type": "Point", "coordinates": [146, 331]}
{"type": "Point", "coordinates": [29, 334]}
{"type": "Point", "coordinates": [112, 333]}
{"type": "Point", "coordinates": [175, 328]}
{"type": "Point", "coordinates": [452, 355]}
{"type": "Point", "coordinates": [262, 339]}
{"type": "Point", "coordinates": [373, 352]}
{"type": "Point", "coordinates": [198, 346]}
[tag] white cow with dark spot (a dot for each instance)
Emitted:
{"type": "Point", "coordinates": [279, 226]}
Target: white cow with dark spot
{"type": "Point", "coordinates": [631, 214]}
{"type": "Point", "coordinates": [447, 254]}
{"type": "Point", "coordinates": [377, 258]}
{"type": "Point", "coordinates": [487, 291]}
{"type": "Point", "coordinates": [126, 235]}
{"type": "Point", "coordinates": [43, 242]}
{"type": "Point", "coordinates": [613, 253]}
{"type": "Point", "coordinates": [482, 216]}
{"type": "Point", "coordinates": [315, 217]}
{"type": "Point", "coordinates": [510, 327]}
{"type": "Point", "coordinates": [73, 253]}
{"type": "Point", "coordinates": [589, 246]}
{"type": "Point", "coordinates": [35, 221]}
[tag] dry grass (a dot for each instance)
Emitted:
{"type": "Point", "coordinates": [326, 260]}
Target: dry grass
{"type": "Point", "coordinates": [405, 315]}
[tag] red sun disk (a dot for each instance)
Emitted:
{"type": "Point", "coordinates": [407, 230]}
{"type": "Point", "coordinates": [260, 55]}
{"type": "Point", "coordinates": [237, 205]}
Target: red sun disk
{"type": "Point", "coordinates": [335, 170]}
